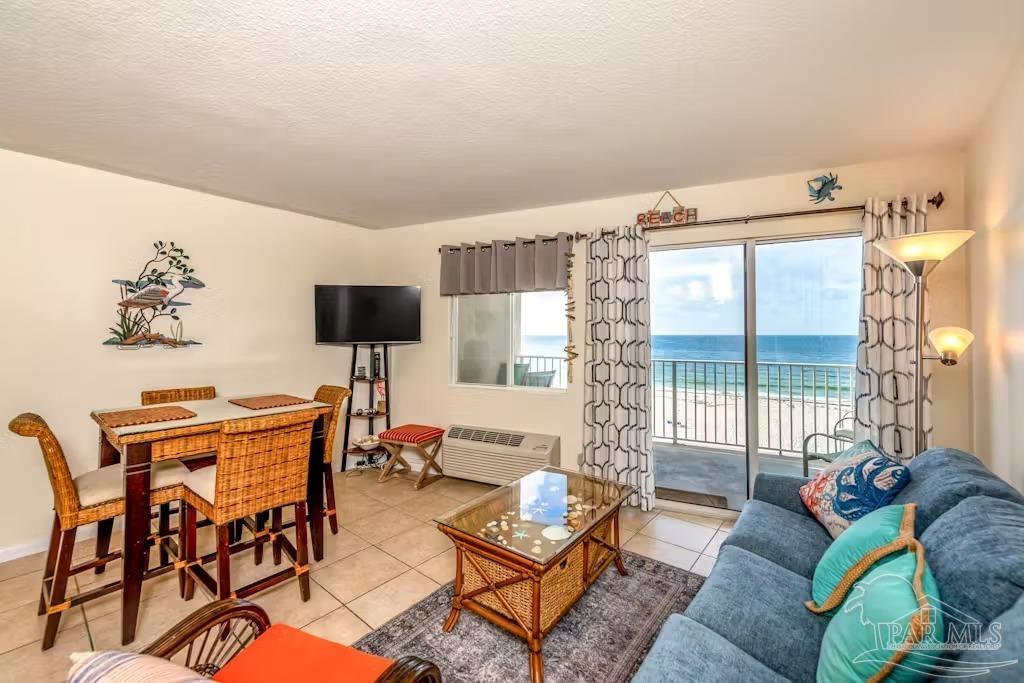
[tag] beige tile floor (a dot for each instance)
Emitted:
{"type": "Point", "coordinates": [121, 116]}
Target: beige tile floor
{"type": "Point", "coordinates": [387, 556]}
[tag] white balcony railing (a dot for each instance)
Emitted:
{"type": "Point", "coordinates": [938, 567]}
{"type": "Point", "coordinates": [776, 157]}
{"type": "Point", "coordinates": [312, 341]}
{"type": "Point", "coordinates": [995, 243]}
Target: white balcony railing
{"type": "Point", "coordinates": [540, 371]}
{"type": "Point", "coordinates": [704, 402]}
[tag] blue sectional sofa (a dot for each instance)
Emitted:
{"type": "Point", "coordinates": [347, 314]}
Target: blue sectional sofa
{"type": "Point", "coordinates": [748, 622]}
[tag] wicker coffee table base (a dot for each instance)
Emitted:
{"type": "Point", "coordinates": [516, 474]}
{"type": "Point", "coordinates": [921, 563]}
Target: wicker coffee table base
{"type": "Point", "coordinates": [528, 598]}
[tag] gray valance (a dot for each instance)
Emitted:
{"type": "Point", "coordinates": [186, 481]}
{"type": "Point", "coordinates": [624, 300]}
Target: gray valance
{"type": "Point", "coordinates": [533, 264]}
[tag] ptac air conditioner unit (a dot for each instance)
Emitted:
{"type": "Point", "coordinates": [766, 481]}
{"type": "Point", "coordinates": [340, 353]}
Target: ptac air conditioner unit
{"type": "Point", "coordinates": [496, 456]}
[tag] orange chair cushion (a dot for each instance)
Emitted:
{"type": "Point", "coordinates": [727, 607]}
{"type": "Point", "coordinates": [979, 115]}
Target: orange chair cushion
{"type": "Point", "coordinates": [284, 653]}
{"type": "Point", "coordinates": [415, 434]}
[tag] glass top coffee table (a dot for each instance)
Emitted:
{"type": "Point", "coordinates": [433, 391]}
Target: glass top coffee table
{"type": "Point", "coordinates": [527, 551]}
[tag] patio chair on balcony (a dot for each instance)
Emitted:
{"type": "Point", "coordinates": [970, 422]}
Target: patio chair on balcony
{"type": "Point", "coordinates": [843, 428]}
{"type": "Point", "coordinates": [826, 447]}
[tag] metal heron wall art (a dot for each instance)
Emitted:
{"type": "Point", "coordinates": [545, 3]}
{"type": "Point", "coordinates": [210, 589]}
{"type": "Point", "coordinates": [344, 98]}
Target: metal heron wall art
{"type": "Point", "coordinates": [152, 295]}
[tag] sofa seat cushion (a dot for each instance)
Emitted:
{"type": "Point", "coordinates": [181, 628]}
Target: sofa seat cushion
{"type": "Point", "coordinates": [284, 653]}
{"type": "Point", "coordinates": [942, 477]}
{"type": "Point", "coordinates": [791, 540]}
{"type": "Point", "coordinates": [976, 552]}
{"type": "Point", "coordinates": [686, 651]}
{"type": "Point", "coordinates": [759, 607]}
{"type": "Point", "coordinates": [1003, 660]}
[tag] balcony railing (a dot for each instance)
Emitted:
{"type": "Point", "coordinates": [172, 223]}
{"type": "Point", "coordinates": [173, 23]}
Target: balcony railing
{"type": "Point", "coordinates": [541, 371]}
{"type": "Point", "coordinates": [704, 402]}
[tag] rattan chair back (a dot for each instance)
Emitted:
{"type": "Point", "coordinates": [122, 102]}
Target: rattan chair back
{"type": "Point", "coordinates": [155, 396]}
{"type": "Point", "coordinates": [328, 393]}
{"type": "Point", "coordinates": [262, 463]}
{"type": "Point", "coordinates": [65, 497]}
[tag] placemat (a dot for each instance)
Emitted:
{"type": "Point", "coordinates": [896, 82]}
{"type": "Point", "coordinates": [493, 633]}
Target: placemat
{"type": "Point", "coordinates": [141, 416]}
{"type": "Point", "coordinates": [269, 401]}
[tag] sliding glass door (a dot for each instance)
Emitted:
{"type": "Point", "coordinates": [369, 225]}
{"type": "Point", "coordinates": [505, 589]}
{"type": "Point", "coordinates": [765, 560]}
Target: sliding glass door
{"type": "Point", "coordinates": [698, 337]}
{"type": "Point", "coordinates": [756, 337]}
{"type": "Point", "coordinates": [808, 310]}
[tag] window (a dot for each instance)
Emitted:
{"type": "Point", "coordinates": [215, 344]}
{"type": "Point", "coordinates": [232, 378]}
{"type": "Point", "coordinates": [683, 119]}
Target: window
{"type": "Point", "coordinates": [494, 332]}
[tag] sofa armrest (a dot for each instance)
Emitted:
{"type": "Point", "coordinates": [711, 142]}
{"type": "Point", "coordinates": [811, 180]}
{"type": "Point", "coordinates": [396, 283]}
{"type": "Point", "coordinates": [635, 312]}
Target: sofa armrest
{"type": "Point", "coordinates": [781, 490]}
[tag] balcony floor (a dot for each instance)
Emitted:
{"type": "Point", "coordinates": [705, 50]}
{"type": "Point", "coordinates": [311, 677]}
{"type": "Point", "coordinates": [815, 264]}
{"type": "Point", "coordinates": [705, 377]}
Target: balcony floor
{"type": "Point", "coordinates": [705, 474]}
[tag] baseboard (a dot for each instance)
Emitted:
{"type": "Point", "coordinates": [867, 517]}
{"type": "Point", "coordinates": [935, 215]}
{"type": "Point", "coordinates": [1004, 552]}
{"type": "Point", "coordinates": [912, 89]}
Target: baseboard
{"type": "Point", "coordinates": [13, 552]}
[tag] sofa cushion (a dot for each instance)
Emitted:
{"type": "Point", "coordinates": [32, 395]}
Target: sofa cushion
{"type": "Point", "coordinates": [789, 539]}
{"type": "Point", "coordinates": [942, 477]}
{"type": "Point", "coordinates": [860, 480]}
{"type": "Point", "coordinates": [759, 607]}
{"type": "Point", "coordinates": [687, 651]}
{"type": "Point", "coordinates": [1002, 661]}
{"type": "Point", "coordinates": [976, 551]}
{"type": "Point", "coordinates": [782, 491]}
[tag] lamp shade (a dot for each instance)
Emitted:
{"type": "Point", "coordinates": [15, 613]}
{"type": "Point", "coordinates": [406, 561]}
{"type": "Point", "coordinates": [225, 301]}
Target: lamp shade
{"type": "Point", "coordinates": [950, 343]}
{"type": "Point", "coordinates": [916, 252]}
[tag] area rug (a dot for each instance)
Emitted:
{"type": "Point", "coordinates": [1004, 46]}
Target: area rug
{"type": "Point", "coordinates": [603, 638]}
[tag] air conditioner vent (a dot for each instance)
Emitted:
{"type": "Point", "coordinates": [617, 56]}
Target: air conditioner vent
{"type": "Point", "coordinates": [486, 436]}
{"type": "Point", "coordinates": [496, 456]}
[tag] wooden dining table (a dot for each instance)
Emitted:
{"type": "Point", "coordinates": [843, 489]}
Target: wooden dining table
{"type": "Point", "coordinates": [139, 446]}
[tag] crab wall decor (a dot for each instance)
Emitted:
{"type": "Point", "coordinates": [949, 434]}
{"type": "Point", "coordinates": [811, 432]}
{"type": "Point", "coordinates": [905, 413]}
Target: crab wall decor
{"type": "Point", "coordinates": [822, 187]}
{"type": "Point", "coordinates": [153, 296]}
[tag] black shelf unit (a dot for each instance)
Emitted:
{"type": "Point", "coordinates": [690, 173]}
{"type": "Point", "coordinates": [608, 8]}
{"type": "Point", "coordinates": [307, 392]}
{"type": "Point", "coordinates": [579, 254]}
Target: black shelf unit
{"type": "Point", "coordinates": [383, 373]}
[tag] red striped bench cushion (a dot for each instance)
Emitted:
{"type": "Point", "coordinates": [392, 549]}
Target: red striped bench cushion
{"type": "Point", "coordinates": [411, 434]}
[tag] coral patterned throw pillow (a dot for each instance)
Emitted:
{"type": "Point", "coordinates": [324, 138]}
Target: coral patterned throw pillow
{"type": "Point", "coordinates": [860, 481]}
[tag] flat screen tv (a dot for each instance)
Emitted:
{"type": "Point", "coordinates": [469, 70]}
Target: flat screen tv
{"type": "Point", "coordinates": [367, 314]}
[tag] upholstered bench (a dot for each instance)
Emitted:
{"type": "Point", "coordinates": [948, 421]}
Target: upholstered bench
{"type": "Point", "coordinates": [420, 438]}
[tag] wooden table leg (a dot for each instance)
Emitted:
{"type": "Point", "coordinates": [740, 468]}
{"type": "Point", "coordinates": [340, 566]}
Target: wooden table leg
{"type": "Point", "coordinates": [108, 455]}
{"type": "Point", "coordinates": [536, 662]}
{"type": "Point", "coordinates": [136, 532]}
{"type": "Point", "coordinates": [315, 489]}
{"type": "Point", "coordinates": [618, 551]}
{"type": "Point", "coordinates": [453, 616]}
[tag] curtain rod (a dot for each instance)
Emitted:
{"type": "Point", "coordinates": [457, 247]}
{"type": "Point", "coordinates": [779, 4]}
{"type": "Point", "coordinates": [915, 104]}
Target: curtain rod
{"type": "Point", "coordinates": [935, 201]}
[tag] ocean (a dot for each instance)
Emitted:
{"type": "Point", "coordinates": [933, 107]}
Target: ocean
{"type": "Point", "coordinates": [806, 350]}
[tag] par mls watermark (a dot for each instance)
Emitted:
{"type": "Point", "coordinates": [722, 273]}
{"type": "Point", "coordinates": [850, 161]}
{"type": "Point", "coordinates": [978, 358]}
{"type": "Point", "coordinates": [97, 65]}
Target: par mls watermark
{"type": "Point", "coordinates": [942, 637]}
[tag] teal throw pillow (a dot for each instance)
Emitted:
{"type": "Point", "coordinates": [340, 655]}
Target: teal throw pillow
{"type": "Point", "coordinates": [867, 541]}
{"type": "Point", "coordinates": [888, 628]}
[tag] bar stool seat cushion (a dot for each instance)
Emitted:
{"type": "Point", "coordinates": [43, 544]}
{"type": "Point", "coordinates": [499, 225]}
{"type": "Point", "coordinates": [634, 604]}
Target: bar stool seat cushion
{"type": "Point", "coordinates": [411, 433]}
{"type": "Point", "coordinates": [284, 653]}
{"type": "Point", "coordinates": [203, 483]}
{"type": "Point", "coordinates": [107, 483]}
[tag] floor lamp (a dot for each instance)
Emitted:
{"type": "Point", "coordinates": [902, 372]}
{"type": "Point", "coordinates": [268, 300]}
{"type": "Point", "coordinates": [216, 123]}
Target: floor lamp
{"type": "Point", "coordinates": [919, 254]}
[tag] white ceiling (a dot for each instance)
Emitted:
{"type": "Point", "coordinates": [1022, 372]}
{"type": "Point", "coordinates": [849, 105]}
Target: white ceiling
{"type": "Point", "coordinates": [391, 112]}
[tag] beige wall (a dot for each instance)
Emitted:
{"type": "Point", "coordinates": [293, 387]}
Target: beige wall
{"type": "Point", "coordinates": [995, 193]}
{"type": "Point", "coordinates": [423, 392]}
{"type": "Point", "coordinates": [68, 230]}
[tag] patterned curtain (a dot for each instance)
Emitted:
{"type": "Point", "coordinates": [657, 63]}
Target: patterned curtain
{"type": "Point", "coordinates": [616, 426]}
{"type": "Point", "coordinates": [888, 340]}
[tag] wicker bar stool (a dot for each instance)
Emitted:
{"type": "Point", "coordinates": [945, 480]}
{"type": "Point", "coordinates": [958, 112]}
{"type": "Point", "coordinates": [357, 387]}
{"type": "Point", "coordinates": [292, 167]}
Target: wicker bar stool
{"type": "Point", "coordinates": [262, 464]}
{"type": "Point", "coordinates": [190, 460]}
{"type": "Point", "coordinates": [336, 397]}
{"type": "Point", "coordinates": [156, 396]}
{"type": "Point", "coordinates": [91, 497]}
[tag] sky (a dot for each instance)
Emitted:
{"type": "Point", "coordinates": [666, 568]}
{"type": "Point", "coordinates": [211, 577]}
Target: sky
{"type": "Point", "coordinates": [805, 287]}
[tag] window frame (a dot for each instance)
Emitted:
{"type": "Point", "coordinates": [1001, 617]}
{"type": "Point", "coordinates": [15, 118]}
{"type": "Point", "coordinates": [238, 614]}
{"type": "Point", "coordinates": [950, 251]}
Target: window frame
{"type": "Point", "coordinates": [515, 317]}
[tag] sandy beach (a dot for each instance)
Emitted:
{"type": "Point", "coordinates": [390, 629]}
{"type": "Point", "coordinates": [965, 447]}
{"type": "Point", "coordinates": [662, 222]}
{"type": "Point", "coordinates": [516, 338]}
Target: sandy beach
{"type": "Point", "coordinates": [719, 418]}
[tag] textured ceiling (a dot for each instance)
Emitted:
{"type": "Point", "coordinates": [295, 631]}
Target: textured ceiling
{"type": "Point", "coordinates": [402, 111]}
